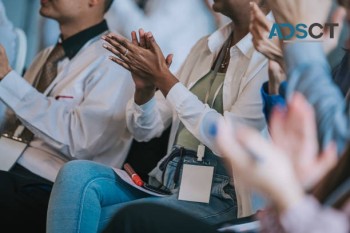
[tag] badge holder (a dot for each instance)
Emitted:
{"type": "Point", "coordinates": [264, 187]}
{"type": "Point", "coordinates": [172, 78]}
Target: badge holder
{"type": "Point", "coordinates": [197, 178]}
{"type": "Point", "coordinates": [11, 148]}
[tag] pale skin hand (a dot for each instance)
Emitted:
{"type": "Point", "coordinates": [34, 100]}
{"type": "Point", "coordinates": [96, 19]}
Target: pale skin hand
{"type": "Point", "coordinates": [147, 63]}
{"type": "Point", "coordinates": [269, 174]}
{"type": "Point", "coordinates": [294, 132]}
{"type": "Point", "coordinates": [260, 29]}
{"type": "Point", "coordinates": [4, 63]}
{"type": "Point", "coordinates": [296, 11]}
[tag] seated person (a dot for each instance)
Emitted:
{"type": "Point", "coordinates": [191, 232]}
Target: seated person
{"type": "Point", "coordinates": [74, 110]}
{"type": "Point", "coordinates": [220, 79]}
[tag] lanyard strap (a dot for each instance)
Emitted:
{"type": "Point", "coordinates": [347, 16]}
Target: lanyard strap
{"type": "Point", "coordinates": [215, 72]}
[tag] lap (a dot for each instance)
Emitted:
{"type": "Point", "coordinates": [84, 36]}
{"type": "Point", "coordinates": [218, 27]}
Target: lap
{"type": "Point", "coordinates": [24, 198]}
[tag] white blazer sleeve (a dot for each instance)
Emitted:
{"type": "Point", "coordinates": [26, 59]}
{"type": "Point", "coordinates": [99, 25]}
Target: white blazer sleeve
{"type": "Point", "coordinates": [149, 120]}
{"type": "Point", "coordinates": [82, 131]}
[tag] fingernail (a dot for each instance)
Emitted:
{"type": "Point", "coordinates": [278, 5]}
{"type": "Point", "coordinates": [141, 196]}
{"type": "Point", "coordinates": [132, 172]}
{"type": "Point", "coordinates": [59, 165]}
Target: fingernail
{"type": "Point", "coordinates": [105, 45]}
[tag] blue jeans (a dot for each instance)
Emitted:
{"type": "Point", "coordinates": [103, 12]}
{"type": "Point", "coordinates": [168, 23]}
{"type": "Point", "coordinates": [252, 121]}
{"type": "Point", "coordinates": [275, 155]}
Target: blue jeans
{"type": "Point", "coordinates": [86, 195]}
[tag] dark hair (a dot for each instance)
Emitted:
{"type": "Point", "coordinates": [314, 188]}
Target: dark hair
{"type": "Point", "coordinates": [108, 4]}
{"type": "Point", "coordinates": [333, 180]}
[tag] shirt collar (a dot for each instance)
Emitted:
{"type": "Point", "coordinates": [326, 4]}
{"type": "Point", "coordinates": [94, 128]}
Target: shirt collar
{"type": "Point", "coordinates": [218, 38]}
{"type": "Point", "coordinates": [73, 44]}
{"type": "Point", "coordinates": [245, 45]}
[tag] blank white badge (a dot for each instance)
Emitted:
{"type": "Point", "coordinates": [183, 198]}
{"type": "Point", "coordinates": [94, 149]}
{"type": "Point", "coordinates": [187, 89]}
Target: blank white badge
{"type": "Point", "coordinates": [10, 151]}
{"type": "Point", "coordinates": [196, 182]}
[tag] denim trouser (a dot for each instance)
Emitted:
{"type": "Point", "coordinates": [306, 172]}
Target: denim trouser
{"type": "Point", "coordinates": [86, 195]}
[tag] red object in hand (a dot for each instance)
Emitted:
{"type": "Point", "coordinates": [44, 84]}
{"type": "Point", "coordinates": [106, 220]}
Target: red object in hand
{"type": "Point", "coordinates": [134, 176]}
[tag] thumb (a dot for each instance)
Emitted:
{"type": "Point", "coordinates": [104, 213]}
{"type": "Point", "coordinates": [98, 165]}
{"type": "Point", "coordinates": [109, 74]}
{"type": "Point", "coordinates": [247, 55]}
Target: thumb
{"type": "Point", "coordinates": [169, 60]}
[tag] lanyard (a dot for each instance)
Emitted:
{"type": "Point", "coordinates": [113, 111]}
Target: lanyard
{"type": "Point", "coordinates": [201, 147]}
{"type": "Point", "coordinates": [215, 72]}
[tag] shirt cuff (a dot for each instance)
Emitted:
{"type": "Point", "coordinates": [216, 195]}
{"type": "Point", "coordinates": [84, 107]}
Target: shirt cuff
{"type": "Point", "coordinates": [301, 53]}
{"type": "Point", "coordinates": [177, 95]}
{"type": "Point", "coordinates": [146, 107]}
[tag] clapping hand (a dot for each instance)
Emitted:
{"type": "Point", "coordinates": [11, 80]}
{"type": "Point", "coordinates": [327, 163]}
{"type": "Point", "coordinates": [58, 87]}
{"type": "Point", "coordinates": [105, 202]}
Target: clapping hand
{"type": "Point", "coordinates": [4, 63]}
{"type": "Point", "coordinates": [145, 61]}
{"type": "Point", "coordinates": [260, 29]}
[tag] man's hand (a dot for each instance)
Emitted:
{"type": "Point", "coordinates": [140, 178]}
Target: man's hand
{"type": "Point", "coordinates": [4, 63]}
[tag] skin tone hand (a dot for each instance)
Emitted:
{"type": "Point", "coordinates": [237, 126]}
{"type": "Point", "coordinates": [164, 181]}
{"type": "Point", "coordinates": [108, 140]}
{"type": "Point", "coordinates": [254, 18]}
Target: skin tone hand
{"type": "Point", "coordinates": [294, 132]}
{"type": "Point", "coordinates": [260, 28]}
{"type": "Point", "coordinates": [267, 171]}
{"type": "Point", "coordinates": [296, 11]}
{"type": "Point", "coordinates": [4, 63]}
{"type": "Point", "coordinates": [276, 77]}
{"type": "Point", "coordinates": [337, 17]}
{"type": "Point", "coordinates": [147, 63]}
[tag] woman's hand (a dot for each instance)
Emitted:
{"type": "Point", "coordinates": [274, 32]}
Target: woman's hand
{"type": "Point", "coordinates": [259, 164]}
{"type": "Point", "coordinates": [299, 11]}
{"type": "Point", "coordinates": [260, 28]}
{"type": "Point", "coordinates": [294, 132]}
{"type": "Point", "coordinates": [147, 63]}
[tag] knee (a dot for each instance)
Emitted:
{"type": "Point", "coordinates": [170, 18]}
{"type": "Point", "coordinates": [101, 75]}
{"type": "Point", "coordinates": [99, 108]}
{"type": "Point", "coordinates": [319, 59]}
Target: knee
{"type": "Point", "coordinates": [76, 170]}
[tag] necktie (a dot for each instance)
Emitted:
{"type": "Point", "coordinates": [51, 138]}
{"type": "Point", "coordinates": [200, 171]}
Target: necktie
{"type": "Point", "coordinates": [46, 76]}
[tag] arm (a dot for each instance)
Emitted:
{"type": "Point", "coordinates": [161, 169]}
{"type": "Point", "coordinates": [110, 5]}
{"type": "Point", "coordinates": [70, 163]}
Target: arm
{"type": "Point", "coordinates": [150, 119]}
{"type": "Point", "coordinates": [270, 101]}
{"type": "Point", "coordinates": [83, 130]}
{"type": "Point", "coordinates": [309, 74]}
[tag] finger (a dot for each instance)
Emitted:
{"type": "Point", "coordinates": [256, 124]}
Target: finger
{"type": "Point", "coordinates": [228, 146]}
{"type": "Point", "coordinates": [120, 62]}
{"type": "Point", "coordinates": [260, 17]}
{"type": "Point", "coordinates": [152, 42]}
{"type": "Point", "coordinates": [120, 40]}
{"type": "Point", "coordinates": [277, 123]}
{"type": "Point", "coordinates": [328, 158]}
{"type": "Point", "coordinates": [134, 38]}
{"type": "Point", "coordinates": [115, 45]}
{"type": "Point", "coordinates": [142, 38]}
{"type": "Point", "coordinates": [301, 114]}
{"type": "Point", "coordinates": [116, 52]}
{"type": "Point", "coordinates": [169, 60]}
{"type": "Point", "coordinates": [257, 148]}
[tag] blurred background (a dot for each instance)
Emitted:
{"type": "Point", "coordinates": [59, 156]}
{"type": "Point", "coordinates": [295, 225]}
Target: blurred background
{"type": "Point", "coordinates": [43, 32]}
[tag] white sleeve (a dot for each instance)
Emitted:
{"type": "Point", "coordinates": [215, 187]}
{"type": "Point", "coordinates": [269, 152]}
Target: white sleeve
{"type": "Point", "coordinates": [150, 119]}
{"type": "Point", "coordinates": [83, 131]}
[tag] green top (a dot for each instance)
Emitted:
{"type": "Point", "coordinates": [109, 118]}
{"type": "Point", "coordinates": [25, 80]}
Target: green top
{"type": "Point", "coordinates": [184, 138]}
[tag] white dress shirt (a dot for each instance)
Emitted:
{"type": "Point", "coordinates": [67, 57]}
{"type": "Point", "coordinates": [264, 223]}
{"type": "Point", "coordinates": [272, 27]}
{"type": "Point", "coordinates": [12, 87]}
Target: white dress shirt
{"type": "Point", "coordinates": [242, 102]}
{"type": "Point", "coordinates": [80, 116]}
{"type": "Point", "coordinates": [176, 24]}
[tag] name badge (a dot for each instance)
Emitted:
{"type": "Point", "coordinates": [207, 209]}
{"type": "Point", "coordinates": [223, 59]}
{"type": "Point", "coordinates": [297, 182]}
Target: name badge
{"type": "Point", "coordinates": [10, 151]}
{"type": "Point", "coordinates": [196, 181]}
